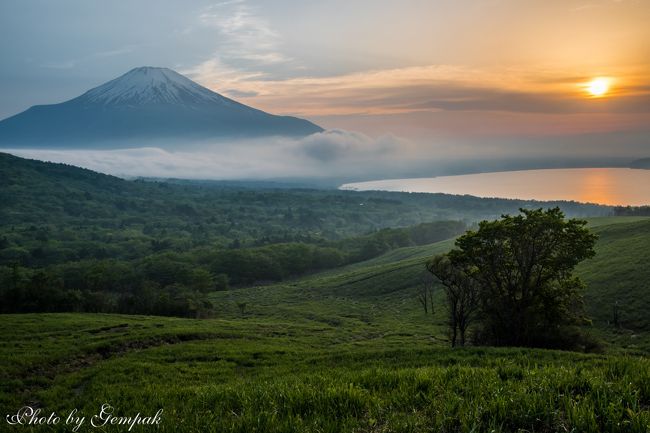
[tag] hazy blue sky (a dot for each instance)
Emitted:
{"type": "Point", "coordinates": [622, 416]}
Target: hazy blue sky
{"type": "Point", "coordinates": [442, 71]}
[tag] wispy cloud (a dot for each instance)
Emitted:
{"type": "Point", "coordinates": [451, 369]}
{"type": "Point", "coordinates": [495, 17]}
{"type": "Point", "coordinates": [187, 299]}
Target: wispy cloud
{"type": "Point", "coordinates": [116, 52]}
{"type": "Point", "coordinates": [248, 51]}
{"type": "Point", "coordinates": [69, 64]}
{"type": "Point", "coordinates": [246, 48]}
{"type": "Point", "coordinates": [433, 88]}
{"type": "Point", "coordinates": [597, 4]}
{"type": "Point", "coordinates": [243, 37]}
{"type": "Point", "coordinates": [63, 64]}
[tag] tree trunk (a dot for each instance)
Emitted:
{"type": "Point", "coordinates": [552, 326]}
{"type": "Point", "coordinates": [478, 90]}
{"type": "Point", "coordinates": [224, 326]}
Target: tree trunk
{"type": "Point", "coordinates": [453, 335]}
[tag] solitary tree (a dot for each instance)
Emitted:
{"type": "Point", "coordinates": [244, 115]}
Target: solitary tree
{"type": "Point", "coordinates": [461, 294]}
{"type": "Point", "coordinates": [522, 270]}
{"type": "Point", "coordinates": [425, 292]}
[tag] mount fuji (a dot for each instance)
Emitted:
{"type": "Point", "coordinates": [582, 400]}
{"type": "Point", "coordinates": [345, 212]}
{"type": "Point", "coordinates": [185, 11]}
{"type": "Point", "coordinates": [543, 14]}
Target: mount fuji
{"type": "Point", "coordinates": [145, 105]}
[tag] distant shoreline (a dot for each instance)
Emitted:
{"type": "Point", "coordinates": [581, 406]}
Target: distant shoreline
{"type": "Point", "coordinates": [621, 186]}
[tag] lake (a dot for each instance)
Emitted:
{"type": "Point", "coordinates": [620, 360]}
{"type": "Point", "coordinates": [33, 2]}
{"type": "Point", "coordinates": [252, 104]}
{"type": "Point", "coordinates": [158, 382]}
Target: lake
{"type": "Point", "coordinates": [610, 186]}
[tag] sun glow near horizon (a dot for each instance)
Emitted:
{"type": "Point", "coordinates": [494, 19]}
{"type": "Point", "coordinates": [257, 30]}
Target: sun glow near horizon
{"type": "Point", "coordinates": [598, 87]}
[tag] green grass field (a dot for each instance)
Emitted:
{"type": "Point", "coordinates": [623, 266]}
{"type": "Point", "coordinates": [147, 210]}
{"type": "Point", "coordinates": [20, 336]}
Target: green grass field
{"type": "Point", "coordinates": [348, 350]}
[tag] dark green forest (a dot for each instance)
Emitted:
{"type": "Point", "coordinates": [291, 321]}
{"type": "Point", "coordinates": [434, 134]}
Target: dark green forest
{"type": "Point", "coordinates": [75, 240]}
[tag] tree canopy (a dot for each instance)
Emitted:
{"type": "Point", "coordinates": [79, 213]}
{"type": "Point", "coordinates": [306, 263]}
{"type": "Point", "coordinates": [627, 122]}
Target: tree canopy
{"type": "Point", "coordinates": [515, 276]}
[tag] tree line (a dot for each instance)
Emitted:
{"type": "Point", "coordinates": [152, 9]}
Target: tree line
{"type": "Point", "coordinates": [177, 283]}
{"type": "Point", "coordinates": [632, 211]}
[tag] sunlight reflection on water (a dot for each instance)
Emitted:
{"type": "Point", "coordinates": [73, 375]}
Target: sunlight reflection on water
{"type": "Point", "coordinates": [612, 186]}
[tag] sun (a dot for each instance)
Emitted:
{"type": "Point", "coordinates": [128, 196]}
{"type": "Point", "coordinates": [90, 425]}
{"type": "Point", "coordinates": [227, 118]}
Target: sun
{"type": "Point", "coordinates": [598, 86]}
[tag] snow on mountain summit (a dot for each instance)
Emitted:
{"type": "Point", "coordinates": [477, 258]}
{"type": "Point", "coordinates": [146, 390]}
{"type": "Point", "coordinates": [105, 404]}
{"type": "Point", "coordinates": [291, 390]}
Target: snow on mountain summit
{"type": "Point", "coordinates": [151, 85]}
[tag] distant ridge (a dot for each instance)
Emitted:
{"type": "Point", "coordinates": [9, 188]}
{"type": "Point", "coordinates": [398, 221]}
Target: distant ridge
{"type": "Point", "coordinates": [146, 103]}
{"type": "Point", "coordinates": [641, 163]}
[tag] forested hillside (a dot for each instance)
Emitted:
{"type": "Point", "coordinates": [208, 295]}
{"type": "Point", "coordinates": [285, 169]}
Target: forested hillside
{"type": "Point", "coordinates": [75, 240]}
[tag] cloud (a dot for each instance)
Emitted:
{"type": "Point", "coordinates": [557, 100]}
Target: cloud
{"type": "Point", "coordinates": [351, 156]}
{"type": "Point", "coordinates": [337, 144]}
{"type": "Point", "coordinates": [331, 153]}
{"type": "Point", "coordinates": [246, 50]}
{"type": "Point", "coordinates": [246, 40]}
{"type": "Point", "coordinates": [116, 52]}
{"type": "Point", "coordinates": [432, 88]}
{"type": "Point", "coordinates": [234, 93]}
{"type": "Point", "coordinates": [217, 75]}
{"type": "Point", "coordinates": [603, 3]}
{"type": "Point", "coordinates": [65, 64]}
{"type": "Point", "coordinates": [249, 61]}
{"type": "Point", "coordinates": [156, 162]}
{"type": "Point", "coordinates": [69, 64]}
{"type": "Point", "coordinates": [452, 98]}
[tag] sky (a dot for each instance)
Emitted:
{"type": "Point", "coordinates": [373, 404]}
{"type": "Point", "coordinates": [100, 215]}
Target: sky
{"type": "Point", "coordinates": [463, 78]}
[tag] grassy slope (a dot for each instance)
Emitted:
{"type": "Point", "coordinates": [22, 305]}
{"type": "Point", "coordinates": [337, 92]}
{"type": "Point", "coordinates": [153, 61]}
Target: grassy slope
{"type": "Point", "coordinates": [383, 289]}
{"type": "Point", "coordinates": [621, 273]}
{"type": "Point", "coordinates": [346, 350]}
{"type": "Point", "coordinates": [271, 376]}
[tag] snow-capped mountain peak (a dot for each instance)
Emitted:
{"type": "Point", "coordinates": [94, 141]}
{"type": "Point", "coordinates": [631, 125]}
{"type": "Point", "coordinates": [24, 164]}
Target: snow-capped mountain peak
{"type": "Point", "coordinates": [145, 105]}
{"type": "Point", "coordinates": [149, 85]}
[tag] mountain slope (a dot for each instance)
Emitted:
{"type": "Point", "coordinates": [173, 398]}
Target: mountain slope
{"type": "Point", "coordinates": [145, 104]}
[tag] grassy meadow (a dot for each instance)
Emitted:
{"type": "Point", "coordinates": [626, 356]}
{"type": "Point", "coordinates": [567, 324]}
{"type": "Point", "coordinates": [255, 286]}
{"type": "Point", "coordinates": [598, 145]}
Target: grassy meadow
{"type": "Point", "coordinates": [346, 350]}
